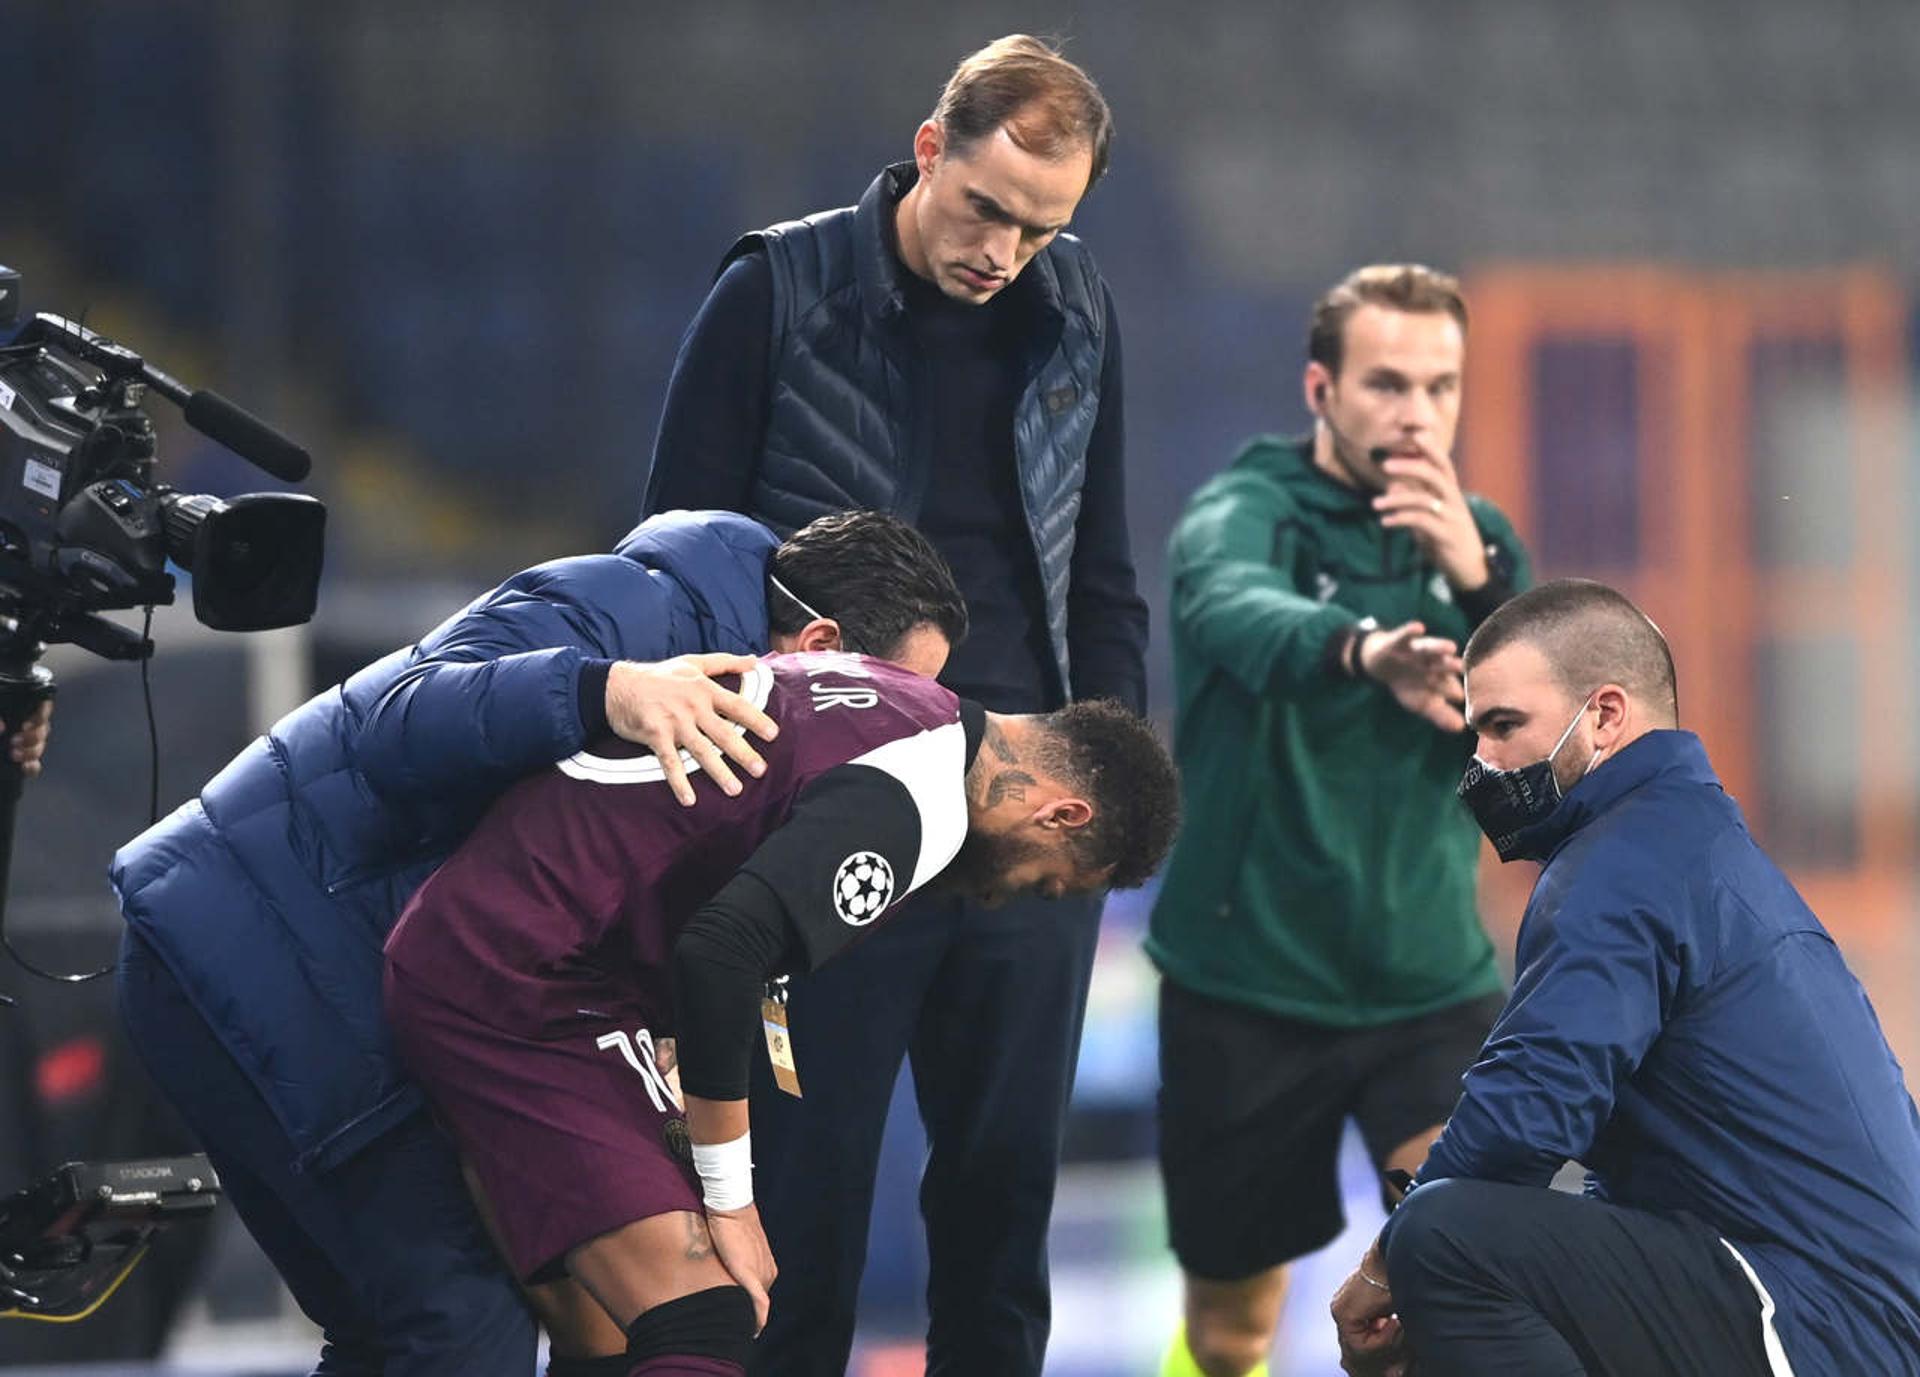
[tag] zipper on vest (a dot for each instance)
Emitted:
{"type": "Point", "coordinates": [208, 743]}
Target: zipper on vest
{"type": "Point", "coordinates": [918, 474]}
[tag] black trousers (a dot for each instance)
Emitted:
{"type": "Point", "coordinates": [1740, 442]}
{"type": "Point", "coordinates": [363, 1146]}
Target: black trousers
{"type": "Point", "coordinates": [1493, 1279]}
{"type": "Point", "coordinates": [989, 1004]}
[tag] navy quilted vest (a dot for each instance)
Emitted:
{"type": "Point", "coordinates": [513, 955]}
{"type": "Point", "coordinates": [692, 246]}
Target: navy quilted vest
{"type": "Point", "coordinates": [840, 435]}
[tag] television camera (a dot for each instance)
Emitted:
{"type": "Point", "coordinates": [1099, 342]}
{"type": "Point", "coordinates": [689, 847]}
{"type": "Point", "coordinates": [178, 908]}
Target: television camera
{"type": "Point", "coordinates": [85, 528]}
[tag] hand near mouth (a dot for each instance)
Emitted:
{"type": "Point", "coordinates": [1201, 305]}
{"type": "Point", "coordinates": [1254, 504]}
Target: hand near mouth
{"type": "Point", "coordinates": [1423, 496]}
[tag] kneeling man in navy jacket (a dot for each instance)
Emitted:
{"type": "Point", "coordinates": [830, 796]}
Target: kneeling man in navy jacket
{"type": "Point", "coordinates": [1683, 1026]}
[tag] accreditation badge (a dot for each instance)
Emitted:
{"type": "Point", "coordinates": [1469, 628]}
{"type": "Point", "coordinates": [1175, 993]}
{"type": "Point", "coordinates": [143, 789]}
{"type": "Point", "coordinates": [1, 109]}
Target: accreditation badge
{"type": "Point", "coordinates": [773, 1018]}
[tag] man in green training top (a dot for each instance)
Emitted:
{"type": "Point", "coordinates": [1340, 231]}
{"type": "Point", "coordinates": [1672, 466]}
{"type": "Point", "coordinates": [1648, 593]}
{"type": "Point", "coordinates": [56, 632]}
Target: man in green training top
{"type": "Point", "coordinates": [1317, 929]}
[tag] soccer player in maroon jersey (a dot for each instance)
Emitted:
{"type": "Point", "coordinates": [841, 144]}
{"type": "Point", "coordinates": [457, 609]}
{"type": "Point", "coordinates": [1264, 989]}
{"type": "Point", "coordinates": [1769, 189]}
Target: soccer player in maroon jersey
{"type": "Point", "coordinates": [532, 979]}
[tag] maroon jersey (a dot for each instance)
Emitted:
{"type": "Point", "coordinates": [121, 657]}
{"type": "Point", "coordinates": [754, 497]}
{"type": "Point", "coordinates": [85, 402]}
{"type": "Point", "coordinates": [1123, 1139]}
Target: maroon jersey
{"type": "Point", "coordinates": [566, 900]}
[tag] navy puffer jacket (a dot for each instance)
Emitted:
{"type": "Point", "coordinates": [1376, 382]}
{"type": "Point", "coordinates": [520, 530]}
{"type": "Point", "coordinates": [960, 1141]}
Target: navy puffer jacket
{"type": "Point", "coordinates": [270, 895]}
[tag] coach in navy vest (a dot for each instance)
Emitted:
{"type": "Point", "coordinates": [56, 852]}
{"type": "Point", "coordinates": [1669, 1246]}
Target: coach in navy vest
{"type": "Point", "coordinates": [945, 352]}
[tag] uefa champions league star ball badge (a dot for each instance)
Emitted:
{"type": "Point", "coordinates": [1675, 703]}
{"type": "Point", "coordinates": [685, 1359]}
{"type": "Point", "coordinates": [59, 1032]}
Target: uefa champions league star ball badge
{"type": "Point", "coordinates": [862, 888]}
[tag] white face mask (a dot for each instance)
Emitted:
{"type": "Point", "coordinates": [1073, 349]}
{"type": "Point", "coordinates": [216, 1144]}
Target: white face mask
{"type": "Point", "coordinates": [813, 612]}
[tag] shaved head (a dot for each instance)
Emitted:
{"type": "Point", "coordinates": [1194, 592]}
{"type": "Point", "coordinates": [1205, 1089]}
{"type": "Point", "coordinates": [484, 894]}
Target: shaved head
{"type": "Point", "coordinates": [1589, 635]}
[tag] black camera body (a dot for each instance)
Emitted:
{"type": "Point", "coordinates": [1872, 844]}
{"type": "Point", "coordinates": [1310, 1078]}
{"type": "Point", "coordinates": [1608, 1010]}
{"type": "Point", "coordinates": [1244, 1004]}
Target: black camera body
{"type": "Point", "coordinates": [68, 1240]}
{"type": "Point", "coordinates": [84, 528]}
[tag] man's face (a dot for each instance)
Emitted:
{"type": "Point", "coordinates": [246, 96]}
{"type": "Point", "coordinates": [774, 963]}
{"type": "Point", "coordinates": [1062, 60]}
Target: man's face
{"type": "Point", "coordinates": [983, 214]}
{"type": "Point", "coordinates": [995, 866]}
{"type": "Point", "coordinates": [1399, 382]}
{"type": "Point", "coordinates": [1517, 711]}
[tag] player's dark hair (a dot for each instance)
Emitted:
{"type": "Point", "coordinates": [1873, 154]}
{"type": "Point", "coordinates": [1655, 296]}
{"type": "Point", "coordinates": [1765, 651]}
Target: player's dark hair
{"type": "Point", "coordinates": [1049, 106]}
{"type": "Point", "coordinates": [1590, 635]}
{"type": "Point", "coordinates": [874, 574]}
{"type": "Point", "coordinates": [1396, 286]}
{"type": "Point", "coordinates": [1117, 760]}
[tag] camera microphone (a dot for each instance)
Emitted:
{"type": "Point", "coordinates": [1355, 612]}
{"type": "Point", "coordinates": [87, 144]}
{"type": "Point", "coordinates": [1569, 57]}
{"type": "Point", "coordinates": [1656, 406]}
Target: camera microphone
{"type": "Point", "coordinates": [87, 530]}
{"type": "Point", "coordinates": [247, 436]}
{"type": "Point", "coordinates": [207, 412]}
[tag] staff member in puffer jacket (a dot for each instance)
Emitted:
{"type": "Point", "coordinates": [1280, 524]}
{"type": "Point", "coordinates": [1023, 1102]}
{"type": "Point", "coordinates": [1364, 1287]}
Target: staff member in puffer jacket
{"type": "Point", "coordinates": [250, 976]}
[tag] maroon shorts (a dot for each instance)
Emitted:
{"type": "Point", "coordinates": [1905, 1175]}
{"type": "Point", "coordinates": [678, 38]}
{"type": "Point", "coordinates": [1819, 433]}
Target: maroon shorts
{"type": "Point", "coordinates": [570, 1136]}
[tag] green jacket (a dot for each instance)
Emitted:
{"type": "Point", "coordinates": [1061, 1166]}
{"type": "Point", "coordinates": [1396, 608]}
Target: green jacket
{"type": "Point", "coordinates": [1324, 870]}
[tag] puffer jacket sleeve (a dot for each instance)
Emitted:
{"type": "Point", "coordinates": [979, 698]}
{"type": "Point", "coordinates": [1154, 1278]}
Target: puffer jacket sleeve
{"type": "Point", "coordinates": [494, 692]}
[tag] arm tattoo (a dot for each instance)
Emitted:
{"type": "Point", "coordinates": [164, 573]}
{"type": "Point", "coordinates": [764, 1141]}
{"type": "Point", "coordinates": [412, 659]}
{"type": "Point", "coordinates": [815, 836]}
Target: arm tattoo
{"type": "Point", "coordinates": [1009, 784]}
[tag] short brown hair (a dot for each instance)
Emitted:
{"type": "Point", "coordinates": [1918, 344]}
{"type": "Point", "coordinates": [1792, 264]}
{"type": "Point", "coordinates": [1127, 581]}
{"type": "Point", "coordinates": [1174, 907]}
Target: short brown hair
{"type": "Point", "coordinates": [1396, 286]}
{"type": "Point", "coordinates": [1049, 106]}
{"type": "Point", "coordinates": [1590, 635]}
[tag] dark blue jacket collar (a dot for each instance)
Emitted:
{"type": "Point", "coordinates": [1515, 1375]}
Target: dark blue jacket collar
{"type": "Point", "coordinates": [877, 254]}
{"type": "Point", "coordinates": [1656, 754]}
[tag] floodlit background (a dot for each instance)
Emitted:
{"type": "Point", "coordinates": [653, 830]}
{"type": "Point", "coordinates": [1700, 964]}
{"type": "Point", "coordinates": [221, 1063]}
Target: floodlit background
{"type": "Point", "coordinates": [452, 247]}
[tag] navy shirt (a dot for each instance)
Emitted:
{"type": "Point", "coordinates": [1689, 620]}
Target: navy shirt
{"type": "Point", "coordinates": [714, 424]}
{"type": "Point", "coordinates": [1683, 1025]}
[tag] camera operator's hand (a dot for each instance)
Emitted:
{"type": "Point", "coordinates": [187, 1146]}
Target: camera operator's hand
{"type": "Point", "coordinates": [30, 742]}
{"type": "Point", "coordinates": [675, 705]}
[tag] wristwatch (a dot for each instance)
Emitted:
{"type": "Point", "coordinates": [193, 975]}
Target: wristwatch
{"type": "Point", "coordinates": [1362, 629]}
